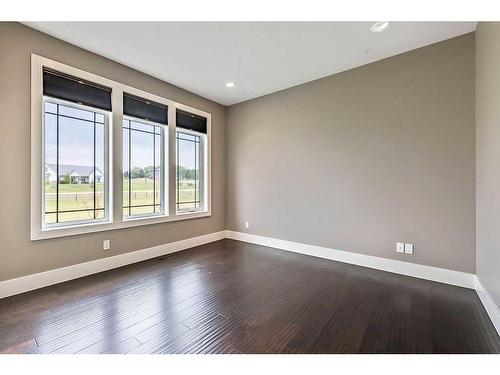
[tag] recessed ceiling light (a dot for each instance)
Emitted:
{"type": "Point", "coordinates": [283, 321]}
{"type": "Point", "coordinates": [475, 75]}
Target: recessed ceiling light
{"type": "Point", "coordinates": [229, 84]}
{"type": "Point", "coordinates": [379, 26]}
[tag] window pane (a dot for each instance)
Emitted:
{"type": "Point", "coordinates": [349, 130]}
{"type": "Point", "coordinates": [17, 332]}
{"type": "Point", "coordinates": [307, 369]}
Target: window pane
{"type": "Point", "coordinates": [50, 163]}
{"type": "Point", "coordinates": [50, 218]}
{"type": "Point", "coordinates": [50, 107]}
{"type": "Point", "coordinates": [142, 187]}
{"type": "Point", "coordinates": [188, 172]}
{"type": "Point", "coordinates": [99, 118]}
{"type": "Point", "coordinates": [77, 113]}
{"type": "Point", "coordinates": [76, 216]}
{"type": "Point", "coordinates": [157, 174]}
{"type": "Point", "coordinates": [141, 126]}
{"type": "Point", "coordinates": [99, 167]}
{"type": "Point", "coordinates": [74, 165]}
{"type": "Point", "coordinates": [125, 169]}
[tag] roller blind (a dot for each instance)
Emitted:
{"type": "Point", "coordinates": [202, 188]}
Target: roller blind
{"type": "Point", "coordinates": [66, 87]}
{"type": "Point", "coordinates": [144, 109]}
{"type": "Point", "coordinates": [191, 121]}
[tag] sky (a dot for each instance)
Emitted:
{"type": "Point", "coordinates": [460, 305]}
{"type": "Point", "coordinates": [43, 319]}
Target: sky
{"type": "Point", "coordinates": [76, 139]}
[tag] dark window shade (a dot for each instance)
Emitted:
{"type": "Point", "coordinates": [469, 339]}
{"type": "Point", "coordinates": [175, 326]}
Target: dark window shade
{"type": "Point", "coordinates": [66, 87]}
{"type": "Point", "coordinates": [144, 109]}
{"type": "Point", "coordinates": [189, 121]}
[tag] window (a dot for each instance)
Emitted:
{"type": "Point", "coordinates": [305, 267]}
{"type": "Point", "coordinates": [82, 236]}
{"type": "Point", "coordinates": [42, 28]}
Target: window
{"type": "Point", "coordinates": [143, 156]}
{"type": "Point", "coordinates": [90, 135]}
{"type": "Point", "coordinates": [143, 187]}
{"type": "Point", "coordinates": [190, 171]}
{"type": "Point", "coordinates": [74, 160]}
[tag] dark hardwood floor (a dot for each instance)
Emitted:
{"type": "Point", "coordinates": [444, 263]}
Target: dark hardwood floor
{"type": "Point", "coordinates": [233, 297]}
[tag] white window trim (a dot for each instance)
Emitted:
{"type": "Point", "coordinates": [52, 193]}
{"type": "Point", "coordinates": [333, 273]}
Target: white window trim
{"type": "Point", "coordinates": [115, 124]}
{"type": "Point", "coordinates": [107, 128]}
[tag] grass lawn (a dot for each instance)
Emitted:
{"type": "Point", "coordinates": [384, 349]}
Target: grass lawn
{"type": "Point", "coordinates": [81, 197]}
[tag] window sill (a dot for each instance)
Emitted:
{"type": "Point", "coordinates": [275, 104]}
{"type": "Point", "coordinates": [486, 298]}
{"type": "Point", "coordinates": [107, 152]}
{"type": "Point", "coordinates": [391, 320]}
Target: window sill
{"type": "Point", "coordinates": [183, 213]}
{"type": "Point", "coordinates": [101, 227]}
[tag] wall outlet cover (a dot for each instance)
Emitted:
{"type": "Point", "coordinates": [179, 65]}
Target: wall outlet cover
{"type": "Point", "coordinates": [408, 248]}
{"type": "Point", "coordinates": [106, 244]}
{"type": "Point", "coordinates": [400, 247]}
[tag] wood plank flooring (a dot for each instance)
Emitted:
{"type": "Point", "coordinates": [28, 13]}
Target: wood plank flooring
{"type": "Point", "coordinates": [234, 297]}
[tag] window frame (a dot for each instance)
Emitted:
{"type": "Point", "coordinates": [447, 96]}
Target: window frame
{"type": "Point", "coordinates": [164, 162]}
{"type": "Point", "coordinates": [115, 173]}
{"type": "Point", "coordinates": [107, 216]}
{"type": "Point", "coordinates": [201, 162]}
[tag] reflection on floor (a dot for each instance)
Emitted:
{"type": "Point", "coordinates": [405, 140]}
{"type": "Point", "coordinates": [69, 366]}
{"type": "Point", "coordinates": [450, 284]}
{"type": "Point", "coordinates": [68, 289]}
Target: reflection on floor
{"type": "Point", "coordinates": [233, 297]}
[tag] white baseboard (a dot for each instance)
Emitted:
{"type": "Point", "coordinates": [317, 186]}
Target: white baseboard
{"type": "Point", "coordinates": [463, 279]}
{"type": "Point", "coordinates": [489, 305]}
{"type": "Point", "coordinates": [59, 275]}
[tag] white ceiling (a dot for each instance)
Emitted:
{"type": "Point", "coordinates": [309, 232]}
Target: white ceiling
{"type": "Point", "coordinates": [260, 57]}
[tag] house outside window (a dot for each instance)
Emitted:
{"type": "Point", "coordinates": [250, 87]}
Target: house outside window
{"type": "Point", "coordinates": [73, 174]}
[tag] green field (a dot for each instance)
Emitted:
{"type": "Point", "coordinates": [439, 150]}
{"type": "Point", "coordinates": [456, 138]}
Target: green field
{"type": "Point", "coordinates": [81, 197]}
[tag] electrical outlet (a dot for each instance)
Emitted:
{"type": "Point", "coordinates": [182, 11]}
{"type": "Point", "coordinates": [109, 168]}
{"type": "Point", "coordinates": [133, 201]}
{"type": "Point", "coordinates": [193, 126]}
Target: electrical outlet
{"type": "Point", "coordinates": [400, 247]}
{"type": "Point", "coordinates": [408, 248]}
{"type": "Point", "coordinates": [247, 224]}
{"type": "Point", "coordinates": [106, 244]}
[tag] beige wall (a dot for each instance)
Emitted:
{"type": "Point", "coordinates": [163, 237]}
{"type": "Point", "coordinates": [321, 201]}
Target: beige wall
{"type": "Point", "coordinates": [19, 256]}
{"type": "Point", "coordinates": [355, 161]}
{"type": "Point", "coordinates": [360, 160]}
{"type": "Point", "coordinates": [488, 156]}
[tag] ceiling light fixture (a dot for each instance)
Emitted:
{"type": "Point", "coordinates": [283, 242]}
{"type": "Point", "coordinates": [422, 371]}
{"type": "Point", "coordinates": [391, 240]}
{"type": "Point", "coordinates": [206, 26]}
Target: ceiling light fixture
{"type": "Point", "coordinates": [229, 84]}
{"type": "Point", "coordinates": [379, 26]}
